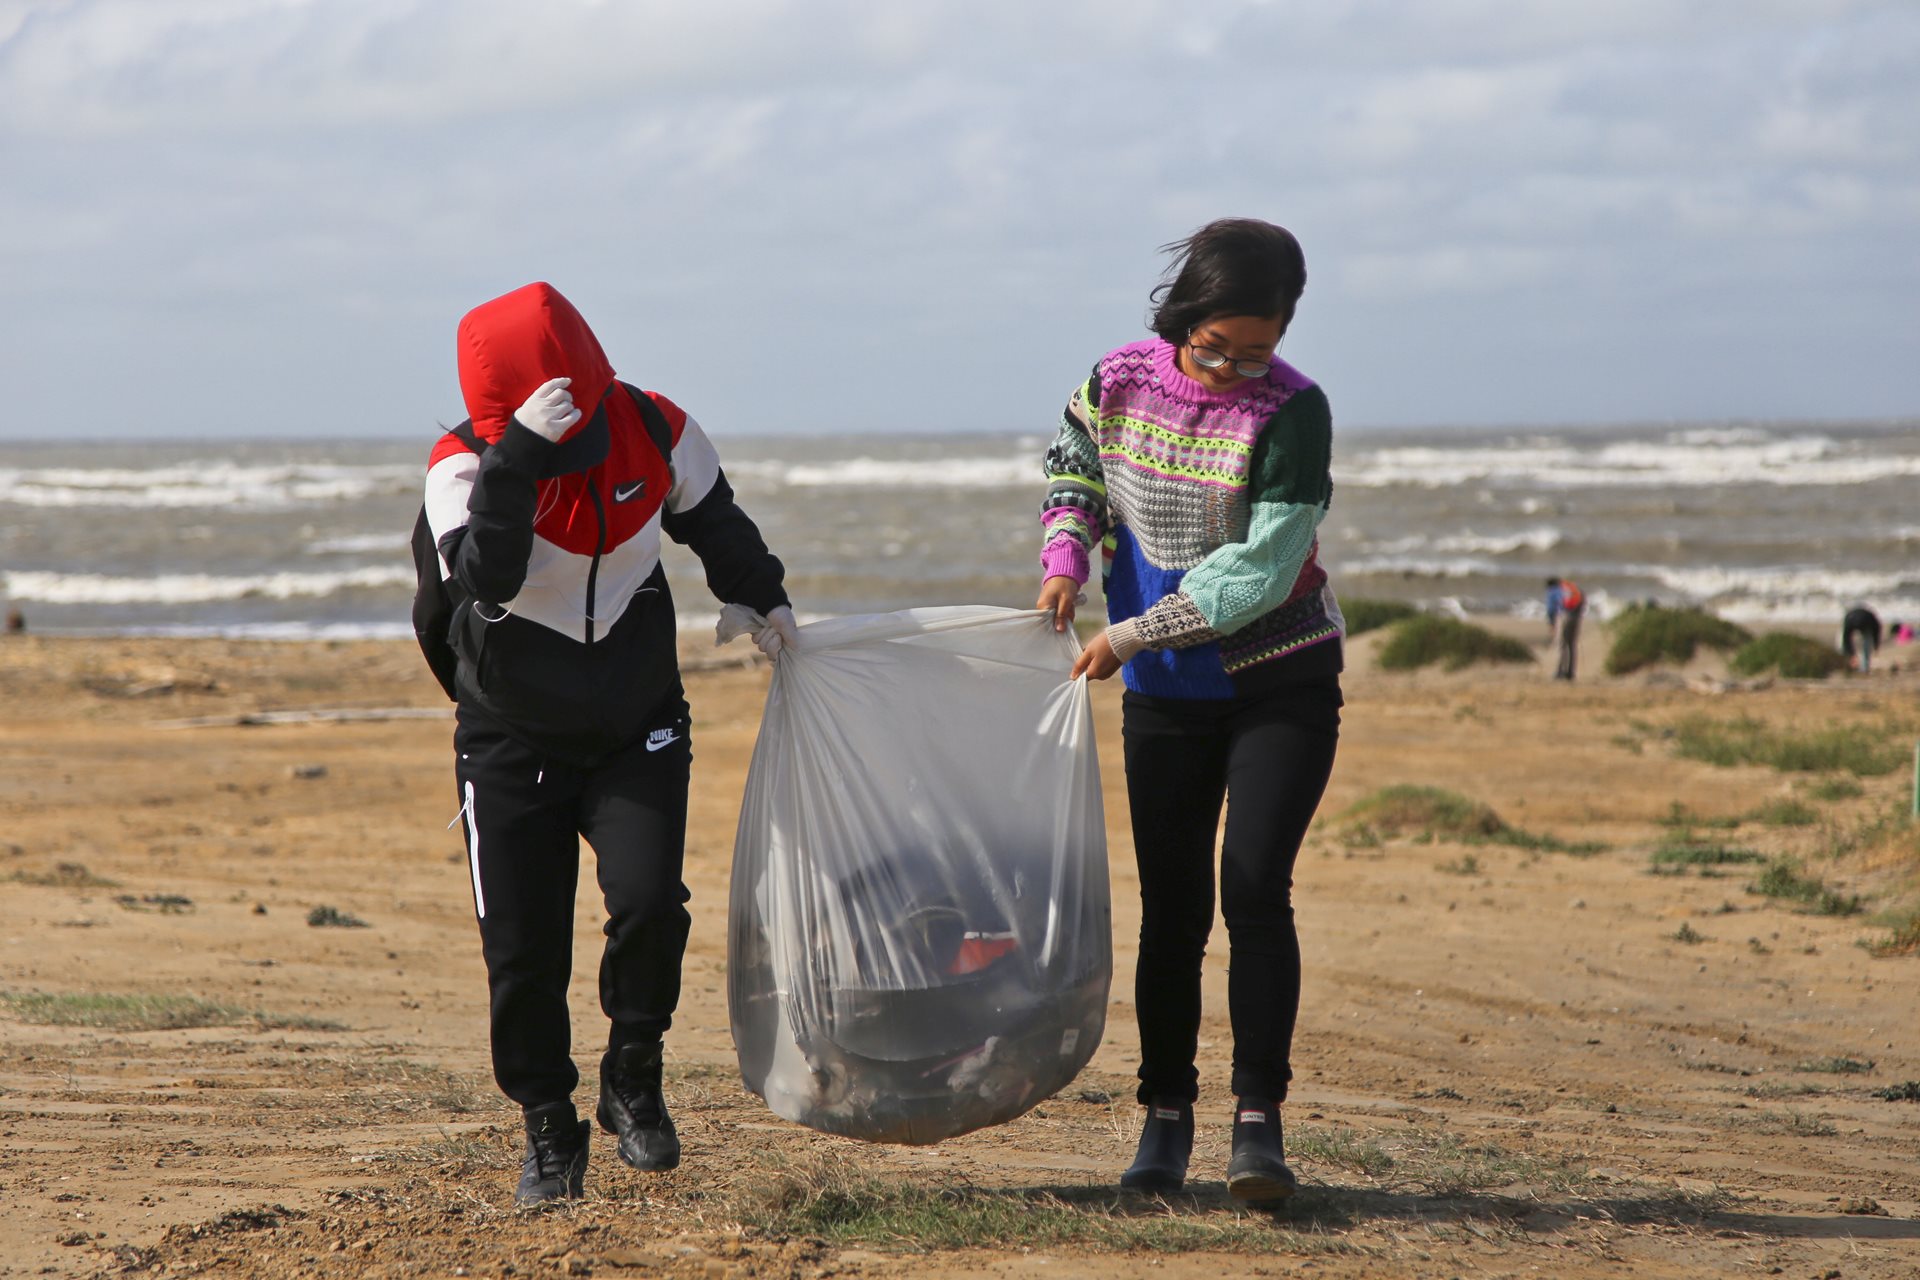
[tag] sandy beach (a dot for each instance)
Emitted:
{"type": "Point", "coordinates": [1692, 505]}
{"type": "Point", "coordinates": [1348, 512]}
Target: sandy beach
{"type": "Point", "coordinates": [1514, 1057]}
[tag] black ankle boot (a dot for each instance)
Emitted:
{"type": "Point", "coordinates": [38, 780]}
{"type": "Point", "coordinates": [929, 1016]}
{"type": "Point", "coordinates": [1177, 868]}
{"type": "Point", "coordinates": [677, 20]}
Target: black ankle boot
{"type": "Point", "coordinates": [1258, 1172]}
{"type": "Point", "coordinates": [555, 1167]}
{"type": "Point", "coordinates": [633, 1108]}
{"type": "Point", "coordinates": [1166, 1144]}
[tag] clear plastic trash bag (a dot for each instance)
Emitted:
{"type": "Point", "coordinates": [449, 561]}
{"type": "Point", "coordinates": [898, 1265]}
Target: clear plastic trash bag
{"type": "Point", "coordinates": [919, 934]}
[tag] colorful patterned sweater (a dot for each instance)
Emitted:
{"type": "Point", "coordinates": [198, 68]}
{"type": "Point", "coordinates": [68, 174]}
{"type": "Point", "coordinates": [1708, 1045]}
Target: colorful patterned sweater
{"type": "Point", "coordinates": [1206, 506]}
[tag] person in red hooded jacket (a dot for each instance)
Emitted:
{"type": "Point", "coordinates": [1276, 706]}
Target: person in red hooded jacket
{"type": "Point", "coordinates": [571, 720]}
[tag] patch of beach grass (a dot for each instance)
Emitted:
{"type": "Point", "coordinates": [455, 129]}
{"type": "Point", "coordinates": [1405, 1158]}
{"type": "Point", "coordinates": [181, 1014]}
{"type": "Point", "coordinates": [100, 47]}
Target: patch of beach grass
{"type": "Point", "coordinates": [1407, 809]}
{"type": "Point", "coordinates": [399, 1082]}
{"type": "Point", "coordinates": [1431, 1160]}
{"type": "Point", "coordinates": [1794, 656]}
{"type": "Point", "coordinates": [1687, 853]}
{"type": "Point", "coordinates": [1788, 1123]}
{"type": "Point", "coordinates": [1905, 1091]}
{"type": "Point", "coordinates": [1444, 1164]}
{"type": "Point", "coordinates": [333, 918]}
{"type": "Point", "coordinates": [465, 1153]}
{"type": "Point", "coordinates": [1836, 788]}
{"type": "Point", "coordinates": [1426, 639]}
{"type": "Point", "coordinates": [65, 875]}
{"type": "Point", "coordinates": [1745, 740]}
{"type": "Point", "coordinates": [1339, 1147]}
{"type": "Point", "coordinates": [1835, 1066]}
{"type": "Point", "coordinates": [1787, 1089]}
{"type": "Point", "coordinates": [1687, 934]}
{"type": "Point", "coordinates": [1902, 939]}
{"type": "Point", "coordinates": [1434, 1161]}
{"type": "Point", "coordinates": [1786, 811]}
{"type": "Point", "coordinates": [1644, 635]}
{"type": "Point", "coordinates": [847, 1203]}
{"type": "Point", "coordinates": [1435, 813]}
{"type": "Point", "coordinates": [136, 1012]}
{"type": "Point", "coordinates": [1679, 815]}
{"type": "Point", "coordinates": [1369, 615]}
{"type": "Point", "coordinates": [1466, 865]}
{"type": "Point", "coordinates": [1890, 840]}
{"type": "Point", "coordinates": [1785, 880]}
{"type": "Point", "coordinates": [167, 904]}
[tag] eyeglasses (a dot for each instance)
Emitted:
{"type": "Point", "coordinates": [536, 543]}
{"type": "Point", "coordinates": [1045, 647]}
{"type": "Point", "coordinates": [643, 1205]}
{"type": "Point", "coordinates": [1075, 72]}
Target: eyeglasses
{"type": "Point", "coordinates": [1208, 358]}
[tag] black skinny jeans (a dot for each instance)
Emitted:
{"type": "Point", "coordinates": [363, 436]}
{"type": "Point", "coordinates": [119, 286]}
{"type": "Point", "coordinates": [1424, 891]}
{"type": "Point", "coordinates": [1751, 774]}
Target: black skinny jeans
{"type": "Point", "coordinates": [1268, 757]}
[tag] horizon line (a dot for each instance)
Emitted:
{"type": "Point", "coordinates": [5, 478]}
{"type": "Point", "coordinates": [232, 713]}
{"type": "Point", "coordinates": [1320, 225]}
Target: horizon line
{"type": "Point", "coordinates": [1590, 425]}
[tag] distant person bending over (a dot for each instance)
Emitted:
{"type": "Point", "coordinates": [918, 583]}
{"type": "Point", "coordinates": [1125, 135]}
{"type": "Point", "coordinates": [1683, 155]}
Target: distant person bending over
{"type": "Point", "coordinates": [1197, 463]}
{"type": "Point", "coordinates": [1860, 636]}
{"type": "Point", "coordinates": [1565, 605]}
{"type": "Point", "coordinates": [571, 719]}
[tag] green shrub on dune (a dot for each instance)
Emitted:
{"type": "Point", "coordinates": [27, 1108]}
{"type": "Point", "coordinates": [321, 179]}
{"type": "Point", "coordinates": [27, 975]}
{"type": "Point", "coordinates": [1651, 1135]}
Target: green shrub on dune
{"type": "Point", "coordinates": [1646, 634]}
{"type": "Point", "coordinates": [1793, 748]}
{"type": "Point", "coordinates": [1369, 615]}
{"type": "Point", "coordinates": [1434, 813]}
{"type": "Point", "coordinates": [1404, 808]}
{"type": "Point", "coordinates": [1795, 657]}
{"type": "Point", "coordinates": [1424, 639]}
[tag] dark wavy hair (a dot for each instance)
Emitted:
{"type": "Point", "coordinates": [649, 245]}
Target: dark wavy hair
{"type": "Point", "coordinates": [1230, 267]}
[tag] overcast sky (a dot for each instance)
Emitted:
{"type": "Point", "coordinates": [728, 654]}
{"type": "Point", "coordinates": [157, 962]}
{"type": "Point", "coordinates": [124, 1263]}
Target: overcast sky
{"type": "Point", "coordinates": [243, 217]}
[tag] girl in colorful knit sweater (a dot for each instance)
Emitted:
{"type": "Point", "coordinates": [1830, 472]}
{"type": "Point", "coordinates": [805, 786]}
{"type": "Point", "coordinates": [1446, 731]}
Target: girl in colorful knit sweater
{"type": "Point", "coordinates": [1196, 465]}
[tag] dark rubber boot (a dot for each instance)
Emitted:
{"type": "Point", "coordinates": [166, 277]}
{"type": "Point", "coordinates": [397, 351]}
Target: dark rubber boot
{"type": "Point", "coordinates": [1166, 1144]}
{"type": "Point", "coordinates": [1258, 1172]}
{"type": "Point", "coordinates": [555, 1167]}
{"type": "Point", "coordinates": [634, 1110]}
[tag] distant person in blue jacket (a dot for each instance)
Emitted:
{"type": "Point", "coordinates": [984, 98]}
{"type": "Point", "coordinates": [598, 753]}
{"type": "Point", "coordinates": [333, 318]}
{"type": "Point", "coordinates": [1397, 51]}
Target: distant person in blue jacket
{"type": "Point", "coordinates": [1565, 604]}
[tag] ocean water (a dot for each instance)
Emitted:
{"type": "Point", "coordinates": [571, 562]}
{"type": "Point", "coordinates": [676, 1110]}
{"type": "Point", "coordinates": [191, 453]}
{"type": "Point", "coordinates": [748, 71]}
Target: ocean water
{"type": "Point", "coordinates": [1784, 523]}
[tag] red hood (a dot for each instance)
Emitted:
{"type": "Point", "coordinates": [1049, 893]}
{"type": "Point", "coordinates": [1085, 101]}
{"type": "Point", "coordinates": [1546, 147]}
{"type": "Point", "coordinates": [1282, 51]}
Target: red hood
{"type": "Point", "coordinates": [509, 346]}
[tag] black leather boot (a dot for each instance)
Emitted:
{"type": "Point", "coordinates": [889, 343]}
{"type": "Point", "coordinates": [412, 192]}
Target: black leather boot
{"type": "Point", "coordinates": [555, 1167]}
{"type": "Point", "coordinates": [633, 1109]}
{"type": "Point", "coordinates": [1166, 1144]}
{"type": "Point", "coordinates": [1258, 1172]}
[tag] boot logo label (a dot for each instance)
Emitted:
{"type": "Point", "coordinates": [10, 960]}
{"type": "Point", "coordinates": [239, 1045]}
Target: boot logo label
{"type": "Point", "coordinates": [1165, 1113]}
{"type": "Point", "coordinates": [1253, 1117]}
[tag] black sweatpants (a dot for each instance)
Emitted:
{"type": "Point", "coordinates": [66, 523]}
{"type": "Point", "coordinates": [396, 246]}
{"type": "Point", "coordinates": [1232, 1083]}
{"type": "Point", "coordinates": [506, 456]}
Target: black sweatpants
{"type": "Point", "coordinates": [524, 815]}
{"type": "Point", "coordinates": [1268, 757]}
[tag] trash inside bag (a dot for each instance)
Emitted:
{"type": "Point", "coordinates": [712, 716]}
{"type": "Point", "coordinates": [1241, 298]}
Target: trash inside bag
{"type": "Point", "coordinates": [919, 933]}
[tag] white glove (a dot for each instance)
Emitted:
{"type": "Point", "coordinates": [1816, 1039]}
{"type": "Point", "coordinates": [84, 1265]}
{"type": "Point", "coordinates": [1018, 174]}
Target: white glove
{"type": "Point", "coordinates": [550, 410]}
{"type": "Point", "coordinates": [780, 632]}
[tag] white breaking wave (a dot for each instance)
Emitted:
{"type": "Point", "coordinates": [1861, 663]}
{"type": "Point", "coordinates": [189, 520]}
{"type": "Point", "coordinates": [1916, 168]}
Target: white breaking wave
{"type": "Point", "coordinates": [1415, 567]}
{"type": "Point", "coordinates": [265, 631]}
{"type": "Point", "coordinates": [893, 473]}
{"type": "Point", "coordinates": [212, 483]}
{"type": "Point", "coordinates": [1721, 435]}
{"type": "Point", "coordinates": [1698, 459]}
{"type": "Point", "coordinates": [1545, 538]}
{"type": "Point", "coordinates": [1788, 593]}
{"type": "Point", "coordinates": [1828, 609]}
{"type": "Point", "coordinates": [1714, 583]}
{"type": "Point", "coordinates": [360, 544]}
{"type": "Point", "coordinates": [193, 588]}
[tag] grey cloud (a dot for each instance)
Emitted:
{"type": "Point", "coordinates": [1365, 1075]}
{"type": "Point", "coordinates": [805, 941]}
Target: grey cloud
{"type": "Point", "coordinates": [310, 193]}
